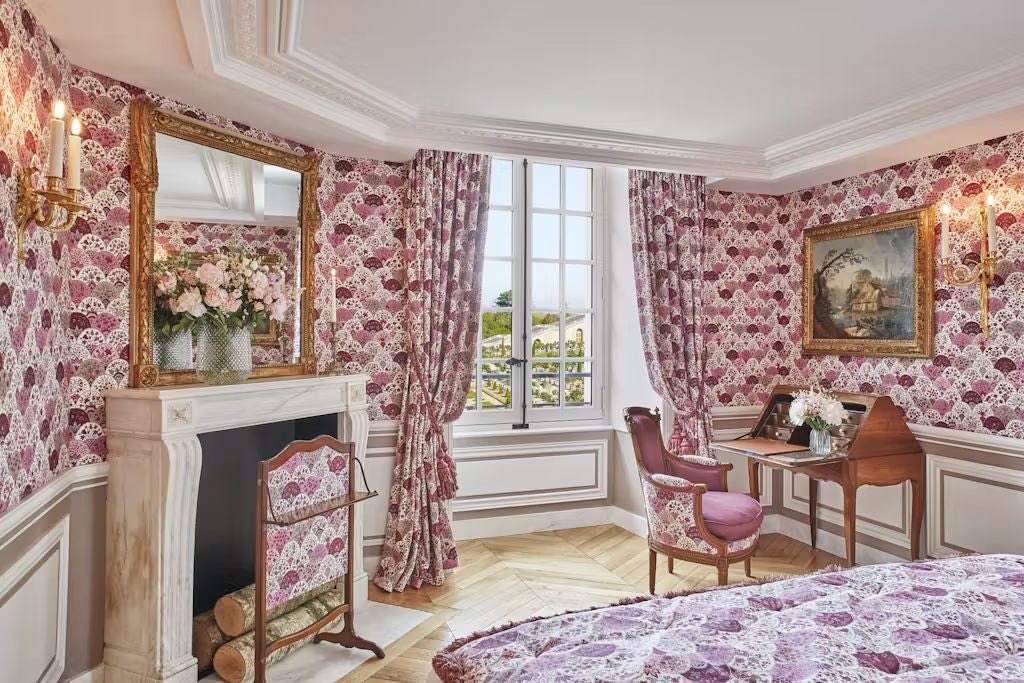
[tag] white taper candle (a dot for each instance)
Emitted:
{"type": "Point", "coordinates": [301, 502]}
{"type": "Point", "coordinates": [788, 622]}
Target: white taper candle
{"type": "Point", "coordinates": [75, 156]}
{"type": "Point", "coordinates": [945, 230]}
{"type": "Point", "coordinates": [990, 214]}
{"type": "Point", "coordinates": [55, 167]}
{"type": "Point", "coordinates": [333, 301]}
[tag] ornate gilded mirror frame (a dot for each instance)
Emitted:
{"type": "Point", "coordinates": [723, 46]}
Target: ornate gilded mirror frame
{"type": "Point", "coordinates": [146, 121]}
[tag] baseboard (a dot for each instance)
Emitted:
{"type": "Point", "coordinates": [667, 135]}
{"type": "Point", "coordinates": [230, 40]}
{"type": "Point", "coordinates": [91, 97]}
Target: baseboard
{"type": "Point", "coordinates": [827, 541]}
{"type": "Point", "coordinates": [630, 521]}
{"type": "Point", "coordinates": [533, 522]}
{"type": "Point", "coordinates": [90, 676]}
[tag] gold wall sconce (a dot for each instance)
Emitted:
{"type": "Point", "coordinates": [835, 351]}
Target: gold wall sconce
{"type": "Point", "coordinates": [984, 273]}
{"type": "Point", "coordinates": [54, 208]}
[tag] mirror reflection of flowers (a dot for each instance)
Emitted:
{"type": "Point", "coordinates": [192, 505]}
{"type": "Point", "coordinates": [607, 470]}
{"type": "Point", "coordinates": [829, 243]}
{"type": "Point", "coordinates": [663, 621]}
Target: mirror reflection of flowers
{"type": "Point", "coordinates": [232, 289]}
{"type": "Point", "coordinates": [819, 410]}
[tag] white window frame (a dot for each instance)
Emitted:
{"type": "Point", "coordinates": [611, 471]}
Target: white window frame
{"type": "Point", "coordinates": [522, 247]}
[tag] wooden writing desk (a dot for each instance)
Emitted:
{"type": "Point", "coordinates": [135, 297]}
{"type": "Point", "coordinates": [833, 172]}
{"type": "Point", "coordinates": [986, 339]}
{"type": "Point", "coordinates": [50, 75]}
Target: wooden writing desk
{"type": "Point", "coordinates": [873, 447]}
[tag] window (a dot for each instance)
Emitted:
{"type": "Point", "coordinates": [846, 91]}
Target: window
{"type": "Point", "coordinates": [541, 322]}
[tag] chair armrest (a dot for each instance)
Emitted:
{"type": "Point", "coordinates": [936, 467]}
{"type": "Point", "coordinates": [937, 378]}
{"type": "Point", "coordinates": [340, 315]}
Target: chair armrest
{"type": "Point", "coordinates": [697, 469]}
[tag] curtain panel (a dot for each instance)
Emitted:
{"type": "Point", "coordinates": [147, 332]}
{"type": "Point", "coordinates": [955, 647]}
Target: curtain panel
{"type": "Point", "coordinates": [445, 233]}
{"type": "Point", "coordinates": [667, 216]}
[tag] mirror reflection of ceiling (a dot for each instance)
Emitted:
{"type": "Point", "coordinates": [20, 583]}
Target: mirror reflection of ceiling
{"type": "Point", "coordinates": [205, 185]}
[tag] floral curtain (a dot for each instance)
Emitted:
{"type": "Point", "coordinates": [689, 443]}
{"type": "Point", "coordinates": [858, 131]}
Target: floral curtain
{"type": "Point", "coordinates": [445, 230]}
{"type": "Point", "coordinates": [667, 215]}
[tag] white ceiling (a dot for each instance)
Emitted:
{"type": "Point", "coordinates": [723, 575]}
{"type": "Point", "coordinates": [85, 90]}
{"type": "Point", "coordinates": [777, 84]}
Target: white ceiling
{"type": "Point", "coordinates": [768, 96]}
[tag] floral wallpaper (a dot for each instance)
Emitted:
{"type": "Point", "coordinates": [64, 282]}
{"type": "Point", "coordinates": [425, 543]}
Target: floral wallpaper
{"type": "Point", "coordinates": [756, 267]}
{"type": "Point", "coordinates": [37, 437]}
{"type": "Point", "coordinates": [64, 313]}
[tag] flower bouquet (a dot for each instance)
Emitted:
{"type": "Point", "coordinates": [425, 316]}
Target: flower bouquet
{"type": "Point", "coordinates": [820, 411]}
{"type": "Point", "coordinates": [222, 300]}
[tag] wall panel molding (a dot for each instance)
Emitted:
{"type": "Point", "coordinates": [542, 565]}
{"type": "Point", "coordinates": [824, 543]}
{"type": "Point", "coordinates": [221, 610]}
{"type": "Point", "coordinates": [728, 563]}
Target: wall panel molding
{"type": "Point", "coordinates": [51, 494]}
{"type": "Point", "coordinates": [34, 604]}
{"type": "Point", "coordinates": [501, 476]}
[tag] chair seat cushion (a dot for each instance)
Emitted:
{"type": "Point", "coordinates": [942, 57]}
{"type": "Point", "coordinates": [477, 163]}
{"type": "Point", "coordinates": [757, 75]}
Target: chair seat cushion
{"type": "Point", "coordinates": [731, 516]}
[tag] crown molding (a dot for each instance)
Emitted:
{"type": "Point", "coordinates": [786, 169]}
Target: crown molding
{"type": "Point", "coordinates": [963, 99]}
{"type": "Point", "coordinates": [256, 43]}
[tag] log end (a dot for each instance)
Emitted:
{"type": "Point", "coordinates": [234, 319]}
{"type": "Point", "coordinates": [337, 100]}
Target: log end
{"type": "Point", "coordinates": [229, 664]}
{"type": "Point", "coordinates": [230, 616]}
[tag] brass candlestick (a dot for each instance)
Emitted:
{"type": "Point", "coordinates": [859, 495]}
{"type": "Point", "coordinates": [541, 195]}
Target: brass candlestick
{"type": "Point", "coordinates": [960, 275]}
{"type": "Point", "coordinates": [44, 207]}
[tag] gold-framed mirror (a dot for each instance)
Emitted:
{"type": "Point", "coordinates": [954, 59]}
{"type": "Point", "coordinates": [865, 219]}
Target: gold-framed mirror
{"type": "Point", "coordinates": [205, 195]}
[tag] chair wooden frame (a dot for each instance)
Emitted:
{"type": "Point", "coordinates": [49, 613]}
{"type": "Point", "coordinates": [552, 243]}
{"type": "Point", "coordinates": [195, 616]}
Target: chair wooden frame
{"type": "Point", "coordinates": [722, 557]}
{"type": "Point", "coordinates": [265, 517]}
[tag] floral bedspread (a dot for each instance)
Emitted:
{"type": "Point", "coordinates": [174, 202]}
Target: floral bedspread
{"type": "Point", "coordinates": [957, 619]}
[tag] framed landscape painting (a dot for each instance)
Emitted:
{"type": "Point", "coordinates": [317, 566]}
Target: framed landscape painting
{"type": "Point", "coordinates": [869, 285]}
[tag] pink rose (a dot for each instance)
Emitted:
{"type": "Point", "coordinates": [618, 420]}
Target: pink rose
{"type": "Point", "coordinates": [190, 301]}
{"type": "Point", "coordinates": [216, 298]}
{"type": "Point", "coordinates": [210, 275]}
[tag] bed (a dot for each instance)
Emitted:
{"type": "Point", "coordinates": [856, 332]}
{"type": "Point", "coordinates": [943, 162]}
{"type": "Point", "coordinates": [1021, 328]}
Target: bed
{"type": "Point", "coordinates": [955, 619]}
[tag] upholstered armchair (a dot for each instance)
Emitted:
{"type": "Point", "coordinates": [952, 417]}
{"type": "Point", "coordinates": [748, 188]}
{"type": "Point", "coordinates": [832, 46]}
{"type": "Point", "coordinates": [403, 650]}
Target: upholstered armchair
{"type": "Point", "coordinates": [691, 515]}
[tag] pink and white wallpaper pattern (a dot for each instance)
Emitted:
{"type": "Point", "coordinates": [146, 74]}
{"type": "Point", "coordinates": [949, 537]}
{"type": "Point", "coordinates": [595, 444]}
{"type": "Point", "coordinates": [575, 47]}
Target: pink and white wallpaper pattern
{"type": "Point", "coordinates": [756, 268]}
{"type": "Point", "coordinates": [64, 313]}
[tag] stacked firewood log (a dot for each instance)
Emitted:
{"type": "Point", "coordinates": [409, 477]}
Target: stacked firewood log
{"type": "Point", "coordinates": [224, 637]}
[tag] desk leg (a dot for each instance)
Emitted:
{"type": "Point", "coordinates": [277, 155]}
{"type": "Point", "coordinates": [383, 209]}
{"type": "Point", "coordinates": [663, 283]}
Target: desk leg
{"type": "Point", "coordinates": [812, 511]}
{"type": "Point", "coordinates": [753, 481]}
{"type": "Point", "coordinates": [916, 517]}
{"type": "Point", "coordinates": [850, 522]}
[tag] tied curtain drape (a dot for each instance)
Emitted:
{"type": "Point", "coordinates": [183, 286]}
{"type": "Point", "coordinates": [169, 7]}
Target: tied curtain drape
{"type": "Point", "coordinates": [666, 212]}
{"type": "Point", "coordinates": [445, 232]}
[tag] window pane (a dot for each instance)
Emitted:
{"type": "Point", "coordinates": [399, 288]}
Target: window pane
{"type": "Point", "coordinates": [546, 188]}
{"type": "Point", "coordinates": [578, 339]}
{"type": "Point", "coordinates": [499, 233]}
{"type": "Point", "coordinates": [577, 237]}
{"type": "Point", "coordinates": [577, 189]}
{"type": "Point", "coordinates": [577, 286]}
{"type": "Point", "coordinates": [497, 281]}
{"type": "Point", "coordinates": [578, 380]}
{"type": "Point", "coordinates": [501, 182]}
{"type": "Point", "coordinates": [471, 397]}
{"type": "Point", "coordinates": [544, 285]}
{"type": "Point", "coordinates": [546, 238]}
{"type": "Point", "coordinates": [544, 384]}
{"type": "Point", "coordinates": [545, 337]}
{"type": "Point", "coordinates": [496, 332]}
{"type": "Point", "coordinates": [496, 388]}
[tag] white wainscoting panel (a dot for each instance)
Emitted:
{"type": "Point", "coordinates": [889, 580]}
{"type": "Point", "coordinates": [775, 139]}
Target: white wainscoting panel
{"type": "Point", "coordinates": [34, 609]}
{"type": "Point", "coordinates": [974, 507]}
{"type": "Point", "coordinates": [503, 476]}
{"type": "Point", "coordinates": [882, 511]}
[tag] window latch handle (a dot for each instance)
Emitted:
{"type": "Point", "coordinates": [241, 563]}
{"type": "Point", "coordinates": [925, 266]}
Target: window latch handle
{"type": "Point", "coordinates": [516, 361]}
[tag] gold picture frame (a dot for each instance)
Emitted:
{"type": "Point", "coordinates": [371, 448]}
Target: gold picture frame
{"type": "Point", "coordinates": [869, 284]}
{"type": "Point", "coordinates": [146, 121]}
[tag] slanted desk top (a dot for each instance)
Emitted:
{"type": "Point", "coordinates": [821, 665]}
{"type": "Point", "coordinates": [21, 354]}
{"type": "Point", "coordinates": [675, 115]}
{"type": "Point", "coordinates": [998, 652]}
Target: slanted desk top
{"type": "Point", "coordinates": [874, 428]}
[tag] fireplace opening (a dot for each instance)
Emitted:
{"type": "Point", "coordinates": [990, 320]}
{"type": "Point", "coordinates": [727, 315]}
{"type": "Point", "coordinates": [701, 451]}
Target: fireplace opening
{"type": "Point", "coordinates": [225, 552]}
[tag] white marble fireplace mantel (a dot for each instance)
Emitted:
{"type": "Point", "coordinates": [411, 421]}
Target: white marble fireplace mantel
{"type": "Point", "coordinates": [155, 461]}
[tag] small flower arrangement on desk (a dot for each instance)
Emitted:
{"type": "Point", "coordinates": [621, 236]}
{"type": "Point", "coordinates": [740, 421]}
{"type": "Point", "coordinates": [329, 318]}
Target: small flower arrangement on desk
{"type": "Point", "coordinates": [820, 411]}
{"type": "Point", "coordinates": [224, 299]}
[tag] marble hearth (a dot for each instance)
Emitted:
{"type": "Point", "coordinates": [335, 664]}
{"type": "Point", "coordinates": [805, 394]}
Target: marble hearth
{"type": "Point", "coordinates": [156, 458]}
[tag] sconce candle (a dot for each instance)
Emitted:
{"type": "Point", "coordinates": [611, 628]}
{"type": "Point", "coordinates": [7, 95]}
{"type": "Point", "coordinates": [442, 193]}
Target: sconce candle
{"type": "Point", "coordinates": [990, 214]}
{"type": "Point", "coordinates": [56, 163]}
{"type": "Point", "coordinates": [75, 156]}
{"type": "Point", "coordinates": [945, 230]}
{"type": "Point", "coordinates": [334, 296]}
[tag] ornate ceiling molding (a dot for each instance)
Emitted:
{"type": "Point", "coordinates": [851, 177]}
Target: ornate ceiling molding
{"type": "Point", "coordinates": [256, 43]}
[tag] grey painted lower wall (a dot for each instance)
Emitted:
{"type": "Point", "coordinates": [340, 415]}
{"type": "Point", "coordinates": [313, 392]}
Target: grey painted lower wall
{"type": "Point", "coordinates": [85, 509]}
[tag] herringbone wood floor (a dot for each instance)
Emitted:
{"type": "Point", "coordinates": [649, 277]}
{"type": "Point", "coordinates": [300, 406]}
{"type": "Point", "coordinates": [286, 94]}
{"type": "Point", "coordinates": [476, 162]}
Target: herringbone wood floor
{"type": "Point", "coordinates": [515, 577]}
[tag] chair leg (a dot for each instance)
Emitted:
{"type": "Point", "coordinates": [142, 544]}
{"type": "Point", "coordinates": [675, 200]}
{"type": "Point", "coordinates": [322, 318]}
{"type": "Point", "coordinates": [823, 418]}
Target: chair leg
{"type": "Point", "coordinates": [652, 568]}
{"type": "Point", "coordinates": [723, 573]}
{"type": "Point", "coordinates": [746, 568]}
{"type": "Point", "coordinates": [669, 564]}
